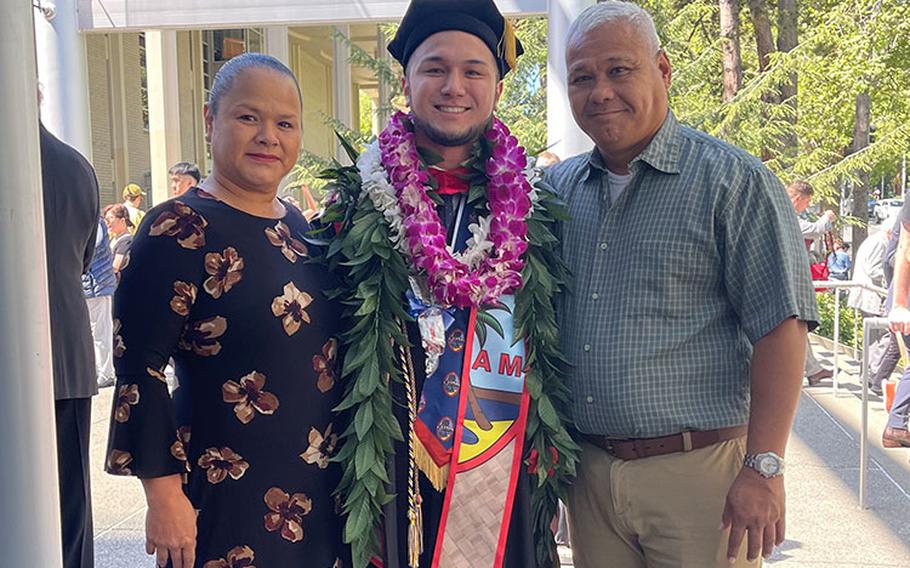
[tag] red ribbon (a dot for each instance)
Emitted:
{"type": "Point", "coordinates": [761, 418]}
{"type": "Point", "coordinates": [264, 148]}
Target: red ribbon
{"type": "Point", "coordinates": [450, 182]}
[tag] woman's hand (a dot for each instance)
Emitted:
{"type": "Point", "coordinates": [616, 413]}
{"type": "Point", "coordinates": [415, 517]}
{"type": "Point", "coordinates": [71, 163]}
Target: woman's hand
{"type": "Point", "coordinates": [170, 524]}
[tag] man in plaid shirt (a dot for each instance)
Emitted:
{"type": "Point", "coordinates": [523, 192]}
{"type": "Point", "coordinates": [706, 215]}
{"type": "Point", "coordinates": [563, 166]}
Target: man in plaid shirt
{"type": "Point", "coordinates": [687, 323]}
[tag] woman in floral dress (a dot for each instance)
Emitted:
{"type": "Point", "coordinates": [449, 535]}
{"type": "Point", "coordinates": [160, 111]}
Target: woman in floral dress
{"type": "Point", "coordinates": [236, 466]}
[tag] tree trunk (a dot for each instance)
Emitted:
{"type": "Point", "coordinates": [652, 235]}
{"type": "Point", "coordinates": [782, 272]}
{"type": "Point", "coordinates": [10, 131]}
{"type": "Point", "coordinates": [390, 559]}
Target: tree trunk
{"type": "Point", "coordinates": [764, 43]}
{"type": "Point", "coordinates": [787, 39]}
{"type": "Point", "coordinates": [861, 189]}
{"type": "Point", "coordinates": [729, 33]}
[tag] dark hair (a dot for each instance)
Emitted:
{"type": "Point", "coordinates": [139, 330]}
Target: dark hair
{"type": "Point", "coordinates": [185, 169]}
{"type": "Point", "coordinates": [225, 77]}
{"type": "Point", "coordinates": [120, 211]}
{"type": "Point", "coordinates": [800, 187]}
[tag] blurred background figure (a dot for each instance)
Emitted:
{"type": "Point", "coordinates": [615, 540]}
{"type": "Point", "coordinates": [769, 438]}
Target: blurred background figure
{"type": "Point", "coordinates": [546, 159]}
{"type": "Point", "coordinates": [181, 177]}
{"type": "Point", "coordinates": [800, 194]}
{"type": "Point", "coordinates": [839, 261]}
{"type": "Point", "coordinates": [98, 288]}
{"type": "Point", "coordinates": [121, 228]}
{"type": "Point", "coordinates": [132, 200]}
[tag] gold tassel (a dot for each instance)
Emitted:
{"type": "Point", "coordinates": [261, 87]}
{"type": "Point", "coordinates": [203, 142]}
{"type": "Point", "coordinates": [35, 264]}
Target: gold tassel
{"type": "Point", "coordinates": [415, 513]}
{"type": "Point", "coordinates": [510, 50]}
{"type": "Point", "coordinates": [438, 475]}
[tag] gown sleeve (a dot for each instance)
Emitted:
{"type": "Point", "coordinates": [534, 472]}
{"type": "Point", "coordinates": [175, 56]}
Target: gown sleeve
{"type": "Point", "coordinates": [159, 284]}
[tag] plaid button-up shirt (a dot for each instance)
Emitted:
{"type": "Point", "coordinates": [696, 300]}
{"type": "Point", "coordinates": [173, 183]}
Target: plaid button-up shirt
{"type": "Point", "coordinates": [697, 260]}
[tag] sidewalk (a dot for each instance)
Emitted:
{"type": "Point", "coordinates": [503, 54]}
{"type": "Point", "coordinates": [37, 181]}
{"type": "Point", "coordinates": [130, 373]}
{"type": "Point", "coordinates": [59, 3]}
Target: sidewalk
{"type": "Point", "coordinates": [825, 527]}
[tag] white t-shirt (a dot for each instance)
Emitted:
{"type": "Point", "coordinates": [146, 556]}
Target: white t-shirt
{"type": "Point", "coordinates": [617, 184]}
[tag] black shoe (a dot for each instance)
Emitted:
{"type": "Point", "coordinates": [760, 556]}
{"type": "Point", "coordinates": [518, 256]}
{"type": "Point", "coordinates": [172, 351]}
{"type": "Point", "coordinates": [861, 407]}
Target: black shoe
{"type": "Point", "coordinates": [875, 389]}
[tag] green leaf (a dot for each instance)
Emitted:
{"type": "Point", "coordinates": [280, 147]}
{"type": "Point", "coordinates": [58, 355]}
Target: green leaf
{"type": "Point", "coordinates": [364, 457]}
{"type": "Point", "coordinates": [490, 321]}
{"type": "Point", "coordinates": [363, 419]}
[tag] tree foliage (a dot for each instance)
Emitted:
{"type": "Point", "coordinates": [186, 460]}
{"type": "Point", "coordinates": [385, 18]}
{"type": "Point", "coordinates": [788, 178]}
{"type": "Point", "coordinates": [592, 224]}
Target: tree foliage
{"type": "Point", "coordinates": [844, 48]}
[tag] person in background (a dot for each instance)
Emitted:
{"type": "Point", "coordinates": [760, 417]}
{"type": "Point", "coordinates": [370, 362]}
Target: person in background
{"type": "Point", "coordinates": [98, 286]}
{"type": "Point", "coordinates": [181, 177]}
{"type": "Point", "coordinates": [70, 192]}
{"type": "Point", "coordinates": [686, 337]}
{"type": "Point", "coordinates": [800, 194]}
{"type": "Point", "coordinates": [120, 227]}
{"type": "Point", "coordinates": [839, 261]}
{"type": "Point", "coordinates": [896, 433]}
{"type": "Point", "coordinates": [870, 269]}
{"type": "Point", "coordinates": [883, 361]}
{"type": "Point", "coordinates": [546, 159]}
{"type": "Point", "coordinates": [132, 200]}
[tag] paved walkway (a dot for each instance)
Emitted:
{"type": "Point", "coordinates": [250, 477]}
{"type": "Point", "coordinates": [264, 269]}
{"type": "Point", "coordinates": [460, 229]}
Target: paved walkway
{"type": "Point", "coordinates": [825, 526]}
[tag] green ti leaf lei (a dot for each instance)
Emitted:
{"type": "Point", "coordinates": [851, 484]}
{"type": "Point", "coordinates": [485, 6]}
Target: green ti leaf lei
{"type": "Point", "coordinates": [375, 280]}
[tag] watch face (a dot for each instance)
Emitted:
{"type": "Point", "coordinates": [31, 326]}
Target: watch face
{"type": "Point", "coordinates": [768, 465]}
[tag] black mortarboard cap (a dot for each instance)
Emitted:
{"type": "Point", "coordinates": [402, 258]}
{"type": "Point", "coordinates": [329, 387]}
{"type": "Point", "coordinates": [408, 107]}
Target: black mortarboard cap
{"type": "Point", "coordinates": [476, 17]}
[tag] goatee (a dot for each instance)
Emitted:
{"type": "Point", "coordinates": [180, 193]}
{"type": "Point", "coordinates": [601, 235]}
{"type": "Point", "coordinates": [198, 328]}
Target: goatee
{"type": "Point", "coordinates": [452, 139]}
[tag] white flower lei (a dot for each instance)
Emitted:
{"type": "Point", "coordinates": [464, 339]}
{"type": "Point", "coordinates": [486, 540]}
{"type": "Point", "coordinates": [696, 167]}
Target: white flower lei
{"type": "Point", "coordinates": [376, 185]}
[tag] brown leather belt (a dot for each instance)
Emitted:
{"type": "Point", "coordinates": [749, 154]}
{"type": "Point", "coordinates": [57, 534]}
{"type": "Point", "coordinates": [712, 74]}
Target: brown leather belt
{"type": "Point", "coordinates": [637, 448]}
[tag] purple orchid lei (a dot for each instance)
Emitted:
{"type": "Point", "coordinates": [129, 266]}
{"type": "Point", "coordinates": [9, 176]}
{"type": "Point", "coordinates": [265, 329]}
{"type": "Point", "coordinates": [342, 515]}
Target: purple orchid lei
{"type": "Point", "coordinates": [452, 282]}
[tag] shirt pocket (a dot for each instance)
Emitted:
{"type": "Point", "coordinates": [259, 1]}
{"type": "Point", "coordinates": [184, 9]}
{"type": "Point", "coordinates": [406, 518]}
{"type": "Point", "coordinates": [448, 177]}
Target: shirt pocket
{"type": "Point", "coordinates": [672, 279]}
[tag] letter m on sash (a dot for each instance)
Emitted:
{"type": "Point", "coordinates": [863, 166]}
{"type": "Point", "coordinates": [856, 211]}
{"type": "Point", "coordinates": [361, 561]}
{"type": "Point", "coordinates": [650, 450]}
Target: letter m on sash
{"type": "Point", "coordinates": [510, 365]}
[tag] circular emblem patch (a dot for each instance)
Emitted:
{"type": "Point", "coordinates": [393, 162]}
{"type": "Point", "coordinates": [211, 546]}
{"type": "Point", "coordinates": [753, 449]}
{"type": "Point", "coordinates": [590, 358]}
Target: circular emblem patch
{"type": "Point", "coordinates": [445, 429]}
{"type": "Point", "coordinates": [456, 340]}
{"type": "Point", "coordinates": [450, 384]}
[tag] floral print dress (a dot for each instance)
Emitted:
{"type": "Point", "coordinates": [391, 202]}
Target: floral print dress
{"type": "Point", "coordinates": [234, 301]}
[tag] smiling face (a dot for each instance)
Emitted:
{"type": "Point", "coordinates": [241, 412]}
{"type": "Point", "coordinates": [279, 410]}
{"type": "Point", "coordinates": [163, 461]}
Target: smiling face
{"type": "Point", "coordinates": [617, 86]}
{"type": "Point", "coordinates": [452, 84]}
{"type": "Point", "coordinates": [255, 136]}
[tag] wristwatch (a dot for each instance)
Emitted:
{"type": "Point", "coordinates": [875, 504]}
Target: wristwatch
{"type": "Point", "coordinates": [767, 465]}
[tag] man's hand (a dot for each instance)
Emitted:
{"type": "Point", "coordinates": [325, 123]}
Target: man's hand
{"type": "Point", "coordinates": [830, 215]}
{"type": "Point", "coordinates": [170, 524]}
{"type": "Point", "coordinates": [754, 505]}
{"type": "Point", "coordinates": [899, 320]}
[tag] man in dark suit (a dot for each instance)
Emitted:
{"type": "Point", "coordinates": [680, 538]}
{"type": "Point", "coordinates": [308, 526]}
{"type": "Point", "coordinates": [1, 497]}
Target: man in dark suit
{"type": "Point", "coordinates": [71, 223]}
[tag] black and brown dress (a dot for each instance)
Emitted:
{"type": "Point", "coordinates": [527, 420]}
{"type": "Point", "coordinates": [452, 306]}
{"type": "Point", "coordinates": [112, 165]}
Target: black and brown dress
{"type": "Point", "coordinates": [233, 299]}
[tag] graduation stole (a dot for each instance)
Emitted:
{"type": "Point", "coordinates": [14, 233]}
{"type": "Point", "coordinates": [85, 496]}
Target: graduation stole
{"type": "Point", "coordinates": [471, 427]}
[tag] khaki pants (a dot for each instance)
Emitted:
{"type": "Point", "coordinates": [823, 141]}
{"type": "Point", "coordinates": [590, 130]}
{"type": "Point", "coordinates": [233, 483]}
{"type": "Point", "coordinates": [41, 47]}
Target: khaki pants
{"type": "Point", "coordinates": [660, 512]}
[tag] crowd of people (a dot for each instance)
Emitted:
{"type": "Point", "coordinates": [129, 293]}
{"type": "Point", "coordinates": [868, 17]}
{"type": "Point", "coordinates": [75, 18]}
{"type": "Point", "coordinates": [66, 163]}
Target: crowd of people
{"type": "Point", "coordinates": [445, 359]}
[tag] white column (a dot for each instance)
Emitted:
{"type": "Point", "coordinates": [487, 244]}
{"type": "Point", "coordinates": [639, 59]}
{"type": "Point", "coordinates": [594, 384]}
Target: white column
{"type": "Point", "coordinates": [29, 500]}
{"type": "Point", "coordinates": [564, 137]}
{"type": "Point", "coordinates": [164, 108]}
{"type": "Point", "coordinates": [384, 88]}
{"type": "Point", "coordinates": [276, 43]}
{"type": "Point", "coordinates": [341, 88]}
{"type": "Point", "coordinates": [63, 73]}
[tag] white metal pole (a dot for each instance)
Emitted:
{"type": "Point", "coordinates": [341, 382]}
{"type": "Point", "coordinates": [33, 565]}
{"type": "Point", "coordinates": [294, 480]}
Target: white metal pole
{"type": "Point", "coordinates": [29, 500]}
{"type": "Point", "coordinates": [864, 421]}
{"type": "Point", "coordinates": [836, 337]}
{"type": "Point", "coordinates": [63, 71]}
{"type": "Point", "coordinates": [564, 137]}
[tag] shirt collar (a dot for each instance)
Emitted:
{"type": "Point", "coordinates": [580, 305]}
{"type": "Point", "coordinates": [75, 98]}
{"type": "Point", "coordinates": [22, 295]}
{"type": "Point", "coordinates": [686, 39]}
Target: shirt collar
{"type": "Point", "coordinates": [662, 153]}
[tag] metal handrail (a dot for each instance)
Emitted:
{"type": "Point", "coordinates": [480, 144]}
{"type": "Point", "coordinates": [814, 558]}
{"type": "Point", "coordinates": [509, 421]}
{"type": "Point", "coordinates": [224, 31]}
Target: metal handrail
{"type": "Point", "coordinates": [837, 286]}
{"type": "Point", "coordinates": [868, 325]}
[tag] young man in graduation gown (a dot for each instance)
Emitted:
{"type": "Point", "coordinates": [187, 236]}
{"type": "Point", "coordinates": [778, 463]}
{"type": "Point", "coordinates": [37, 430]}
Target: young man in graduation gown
{"type": "Point", "coordinates": [458, 447]}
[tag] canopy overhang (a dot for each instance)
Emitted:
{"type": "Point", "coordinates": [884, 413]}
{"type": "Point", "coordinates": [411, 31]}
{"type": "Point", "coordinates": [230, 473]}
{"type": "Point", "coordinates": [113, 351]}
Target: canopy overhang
{"type": "Point", "coordinates": [142, 15]}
